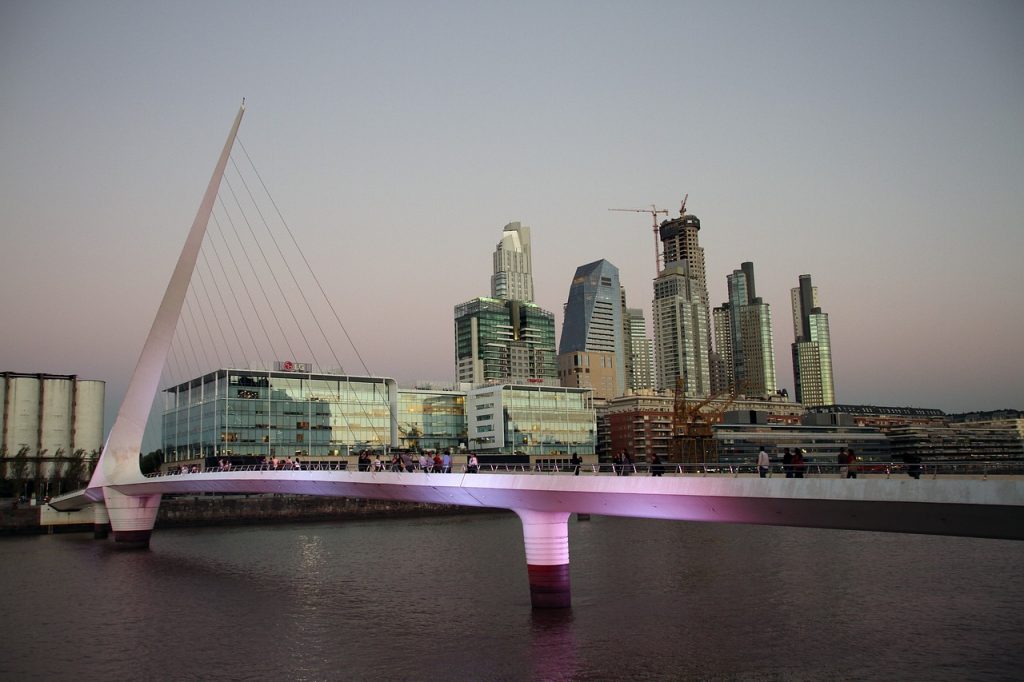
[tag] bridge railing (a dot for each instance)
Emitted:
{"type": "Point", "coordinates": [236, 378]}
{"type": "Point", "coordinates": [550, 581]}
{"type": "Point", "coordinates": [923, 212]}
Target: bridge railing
{"type": "Point", "coordinates": [972, 468]}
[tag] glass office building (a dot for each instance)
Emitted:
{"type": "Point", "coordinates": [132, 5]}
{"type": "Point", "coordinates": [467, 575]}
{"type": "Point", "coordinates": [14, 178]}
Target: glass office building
{"type": "Point", "coordinates": [498, 340]}
{"type": "Point", "coordinates": [431, 419]}
{"type": "Point", "coordinates": [535, 421]}
{"type": "Point", "coordinates": [250, 414]}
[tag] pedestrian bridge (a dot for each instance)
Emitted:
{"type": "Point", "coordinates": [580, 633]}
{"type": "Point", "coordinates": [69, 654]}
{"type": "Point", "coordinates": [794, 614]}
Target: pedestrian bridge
{"type": "Point", "coordinates": [944, 504]}
{"type": "Point", "coordinates": [947, 504]}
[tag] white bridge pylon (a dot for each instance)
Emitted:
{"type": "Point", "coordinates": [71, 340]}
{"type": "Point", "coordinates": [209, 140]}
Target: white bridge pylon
{"type": "Point", "coordinates": [132, 516]}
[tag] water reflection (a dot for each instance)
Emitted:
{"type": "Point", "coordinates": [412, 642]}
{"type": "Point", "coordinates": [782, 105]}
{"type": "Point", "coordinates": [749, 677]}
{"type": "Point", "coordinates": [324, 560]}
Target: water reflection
{"type": "Point", "coordinates": [553, 646]}
{"type": "Point", "coordinates": [441, 599]}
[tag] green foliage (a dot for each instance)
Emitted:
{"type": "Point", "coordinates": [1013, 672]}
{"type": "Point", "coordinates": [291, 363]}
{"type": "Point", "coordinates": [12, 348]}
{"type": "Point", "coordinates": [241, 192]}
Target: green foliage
{"type": "Point", "coordinates": [150, 462]}
{"type": "Point", "coordinates": [74, 472]}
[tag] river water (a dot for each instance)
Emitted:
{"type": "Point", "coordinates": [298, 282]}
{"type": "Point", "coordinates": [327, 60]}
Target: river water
{"type": "Point", "coordinates": [446, 598]}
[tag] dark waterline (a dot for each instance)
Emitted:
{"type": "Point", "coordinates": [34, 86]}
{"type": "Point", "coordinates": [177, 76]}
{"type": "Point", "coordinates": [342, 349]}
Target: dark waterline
{"type": "Point", "coordinates": [447, 598]}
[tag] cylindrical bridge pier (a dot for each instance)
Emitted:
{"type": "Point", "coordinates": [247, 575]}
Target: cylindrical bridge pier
{"type": "Point", "coordinates": [131, 517]}
{"type": "Point", "coordinates": [546, 536]}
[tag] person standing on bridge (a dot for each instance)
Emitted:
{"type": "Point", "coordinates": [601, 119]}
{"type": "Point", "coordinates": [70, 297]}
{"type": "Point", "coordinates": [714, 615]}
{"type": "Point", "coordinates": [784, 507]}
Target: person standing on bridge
{"type": "Point", "coordinates": [575, 461]}
{"type": "Point", "coordinates": [473, 465]}
{"type": "Point", "coordinates": [798, 463]}
{"type": "Point", "coordinates": [446, 463]}
{"type": "Point", "coordinates": [787, 463]}
{"type": "Point", "coordinates": [763, 462]}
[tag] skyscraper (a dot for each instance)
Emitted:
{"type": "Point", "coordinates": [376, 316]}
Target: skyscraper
{"type": "Point", "coordinates": [723, 374]}
{"type": "Point", "coordinates": [592, 339]}
{"type": "Point", "coordinates": [749, 343]}
{"type": "Point", "coordinates": [504, 341]}
{"type": "Point", "coordinates": [513, 265]}
{"type": "Point", "coordinates": [682, 318]}
{"type": "Point", "coordinates": [639, 350]}
{"type": "Point", "coordinates": [812, 348]}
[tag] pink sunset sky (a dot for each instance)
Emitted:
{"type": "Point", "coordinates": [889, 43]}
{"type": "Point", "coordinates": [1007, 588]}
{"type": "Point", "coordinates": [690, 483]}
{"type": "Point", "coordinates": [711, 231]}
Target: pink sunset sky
{"type": "Point", "coordinates": [878, 147]}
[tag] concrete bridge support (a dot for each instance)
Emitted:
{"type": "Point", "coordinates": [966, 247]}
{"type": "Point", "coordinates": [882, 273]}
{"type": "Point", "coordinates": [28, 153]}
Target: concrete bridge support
{"type": "Point", "coordinates": [131, 517]}
{"type": "Point", "coordinates": [100, 521]}
{"type": "Point", "coordinates": [546, 536]}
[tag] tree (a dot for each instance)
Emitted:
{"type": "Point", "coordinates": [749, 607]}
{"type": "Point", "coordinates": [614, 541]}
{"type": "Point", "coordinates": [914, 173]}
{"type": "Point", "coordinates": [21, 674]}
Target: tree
{"type": "Point", "coordinates": [75, 470]}
{"type": "Point", "coordinates": [37, 473]}
{"type": "Point", "coordinates": [19, 470]}
{"type": "Point", "coordinates": [57, 469]}
{"type": "Point", "coordinates": [151, 461]}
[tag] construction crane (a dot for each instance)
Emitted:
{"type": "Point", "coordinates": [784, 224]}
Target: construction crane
{"type": "Point", "coordinates": [692, 434]}
{"type": "Point", "coordinates": [655, 212]}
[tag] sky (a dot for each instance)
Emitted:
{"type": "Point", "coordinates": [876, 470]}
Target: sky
{"type": "Point", "coordinates": [877, 146]}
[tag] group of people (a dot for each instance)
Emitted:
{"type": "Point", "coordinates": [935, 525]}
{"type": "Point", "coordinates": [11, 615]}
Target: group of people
{"type": "Point", "coordinates": [847, 463]}
{"type": "Point", "coordinates": [622, 463]}
{"type": "Point", "coordinates": [436, 463]}
{"type": "Point", "coordinates": [793, 464]}
{"type": "Point", "coordinates": [276, 464]}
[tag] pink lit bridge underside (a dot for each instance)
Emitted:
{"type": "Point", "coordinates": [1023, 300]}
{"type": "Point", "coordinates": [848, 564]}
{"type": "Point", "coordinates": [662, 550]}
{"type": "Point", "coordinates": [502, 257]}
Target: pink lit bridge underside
{"type": "Point", "coordinates": [973, 507]}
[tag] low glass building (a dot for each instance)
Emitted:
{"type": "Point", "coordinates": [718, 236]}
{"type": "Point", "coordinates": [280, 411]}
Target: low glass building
{"type": "Point", "coordinates": [740, 443]}
{"type": "Point", "coordinates": [533, 421]}
{"type": "Point", "coordinates": [431, 419]}
{"type": "Point", "coordinates": [246, 415]}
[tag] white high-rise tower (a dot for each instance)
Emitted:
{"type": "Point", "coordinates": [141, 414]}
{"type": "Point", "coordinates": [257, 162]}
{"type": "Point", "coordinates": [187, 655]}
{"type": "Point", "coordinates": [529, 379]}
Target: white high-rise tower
{"type": "Point", "coordinates": [513, 265]}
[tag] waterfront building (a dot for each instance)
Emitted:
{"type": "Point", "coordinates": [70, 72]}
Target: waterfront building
{"type": "Point", "coordinates": [246, 415]}
{"type": "Point", "coordinates": [504, 341]}
{"type": "Point", "coordinates": [881, 416]}
{"type": "Point", "coordinates": [590, 351]}
{"type": "Point", "coordinates": [812, 347]}
{"type": "Point", "coordinates": [588, 369]}
{"type": "Point", "coordinates": [639, 351]}
{"type": "Point", "coordinates": [958, 441]}
{"type": "Point", "coordinates": [680, 332]}
{"type": "Point", "coordinates": [682, 316]}
{"type": "Point", "coordinates": [520, 423]}
{"type": "Point", "coordinates": [740, 442]}
{"type": "Point", "coordinates": [723, 374]}
{"type": "Point", "coordinates": [431, 419]}
{"type": "Point", "coordinates": [513, 265]}
{"type": "Point", "coordinates": [743, 338]}
{"type": "Point", "coordinates": [52, 428]}
{"type": "Point", "coordinates": [641, 422]}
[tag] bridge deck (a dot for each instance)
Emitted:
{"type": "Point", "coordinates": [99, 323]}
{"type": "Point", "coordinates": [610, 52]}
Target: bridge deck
{"type": "Point", "coordinates": [992, 507]}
